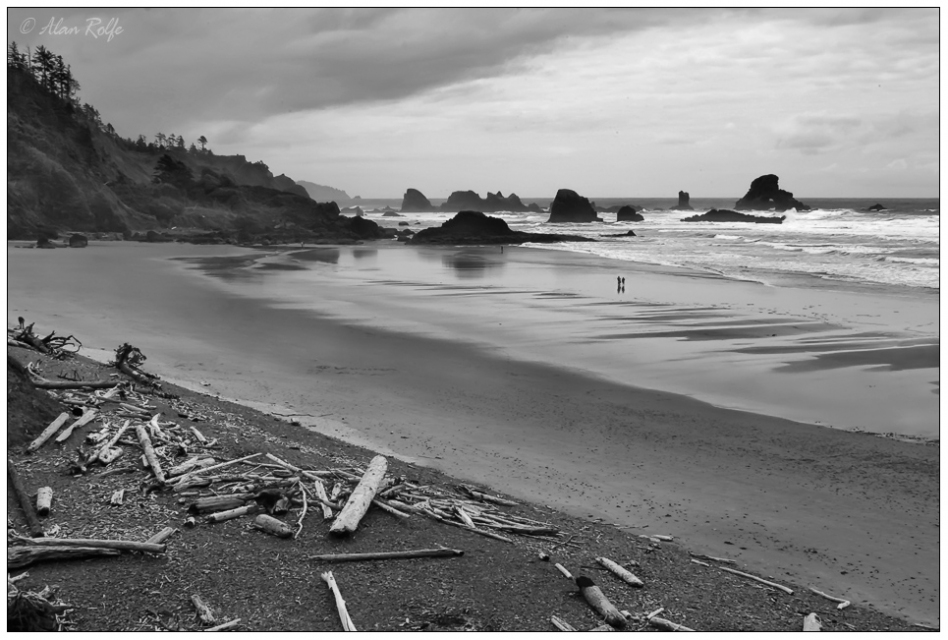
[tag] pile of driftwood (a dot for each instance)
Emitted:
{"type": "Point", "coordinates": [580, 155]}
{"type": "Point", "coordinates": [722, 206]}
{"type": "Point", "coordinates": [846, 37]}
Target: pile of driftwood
{"type": "Point", "coordinates": [29, 610]}
{"type": "Point", "coordinates": [58, 347]}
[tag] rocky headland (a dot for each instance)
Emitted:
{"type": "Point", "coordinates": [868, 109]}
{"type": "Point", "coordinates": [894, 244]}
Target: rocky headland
{"type": "Point", "coordinates": [475, 227]}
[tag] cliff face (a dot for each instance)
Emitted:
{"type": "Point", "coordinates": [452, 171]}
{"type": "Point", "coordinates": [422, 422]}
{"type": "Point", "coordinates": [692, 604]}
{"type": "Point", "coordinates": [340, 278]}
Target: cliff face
{"type": "Point", "coordinates": [65, 173]}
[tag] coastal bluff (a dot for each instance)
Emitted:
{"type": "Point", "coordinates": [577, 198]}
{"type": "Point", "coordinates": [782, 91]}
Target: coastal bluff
{"type": "Point", "coordinates": [569, 206]}
{"type": "Point", "coordinates": [765, 194]}
{"type": "Point", "coordinates": [475, 227]}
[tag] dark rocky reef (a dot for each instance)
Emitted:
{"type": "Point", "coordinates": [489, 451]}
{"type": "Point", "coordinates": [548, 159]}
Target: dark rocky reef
{"type": "Point", "coordinates": [765, 194]}
{"type": "Point", "coordinates": [684, 202]}
{"type": "Point", "coordinates": [877, 207]}
{"type": "Point", "coordinates": [628, 213]}
{"type": "Point", "coordinates": [474, 227]}
{"type": "Point", "coordinates": [357, 211]}
{"type": "Point", "coordinates": [620, 235]}
{"type": "Point", "coordinates": [569, 206]}
{"type": "Point", "coordinates": [391, 214]}
{"type": "Point", "coordinates": [415, 200]}
{"type": "Point", "coordinates": [726, 215]}
{"type": "Point", "coordinates": [471, 201]}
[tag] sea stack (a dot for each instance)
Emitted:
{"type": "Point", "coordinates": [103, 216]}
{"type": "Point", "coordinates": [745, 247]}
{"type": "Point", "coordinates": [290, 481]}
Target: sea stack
{"type": "Point", "coordinates": [765, 194]}
{"type": "Point", "coordinates": [627, 213]}
{"type": "Point", "coordinates": [684, 201]}
{"type": "Point", "coordinates": [569, 206]}
{"type": "Point", "coordinates": [415, 200]}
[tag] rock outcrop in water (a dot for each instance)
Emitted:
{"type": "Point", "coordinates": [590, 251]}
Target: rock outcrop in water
{"type": "Point", "coordinates": [628, 213]}
{"type": "Point", "coordinates": [726, 215]}
{"type": "Point", "coordinates": [684, 202]}
{"type": "Point", "coordinates": [471, 201]}
{"type": "Point", "coordinates": [877, 207]}
{"type": "Point", "coordinates": [765, 194]}
{"type": "Point", "coordinates": [78, 241]}
{"type": "Point", "coordinates": [474, 227]}
{"type": "Point", "coordinates": [569, 206]}
{"type": "Point", "coordinates": [415, 200]}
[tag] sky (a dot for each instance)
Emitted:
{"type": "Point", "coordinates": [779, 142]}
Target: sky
{"type": "Point", "coordinates": [609, 102]}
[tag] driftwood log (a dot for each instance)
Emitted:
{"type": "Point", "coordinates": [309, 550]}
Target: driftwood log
{"type": "Point", "coordinates": [44, 500]}
{"type": "Point", "coordinates": [812, 622]}
{"type": "Point", "coordinates": [667, 625]}
{"type": "Point", "coordinates": [204, 612]}
{"type": "Point", "coordinates": [561, 624]}
{"type": "Point", "coordinates": [36, 529]}
{"type": "Point", "coordinates": [20, 557]}
{"type": "Point", "coordinates": [761, 580]}
{"type": "Point", "coordinates": [161, 536]}
{"type": "Point", "coordinates": [271, 525]}
{"type": "Point", "coordinates": [340, 603]}
{"type": "Point", "coordinates": [843, 603]}
{"type": "Point", "coordinates": [348, 519]}
{"type": "Point", "coordinates": [599, 602]}
{"type": "Point", "coordinates": [118, 545]}
{"type": "Point", "coordinates": [230, 514]}
{"type": "Point", "coordinates": [210, 504]}
{"type": "Point", "coordinates": [388, 555]}
{"type": "Point", "coordinates": [622, 572]}
{"type": "Point", "coordinates": [149, 450]}
{"type": "Point", "coordinates": [48, 432]}
{"type": "Point", "coordinates": [86, 418]}
{"type": "Point", "coordinates": [320, 489]}
{"type": "Point", "coordinates": [226, 625]}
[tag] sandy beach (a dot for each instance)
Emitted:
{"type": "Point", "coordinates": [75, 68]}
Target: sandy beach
{"type": "Point", "coordinates": [688, 405]}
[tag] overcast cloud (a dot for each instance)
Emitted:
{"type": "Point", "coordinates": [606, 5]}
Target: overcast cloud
{"type": "Point", "coordinates": [634, 102]}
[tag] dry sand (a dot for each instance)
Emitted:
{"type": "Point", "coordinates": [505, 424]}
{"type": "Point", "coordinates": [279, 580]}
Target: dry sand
{"type": "Point", "coordinates": [526, 372]}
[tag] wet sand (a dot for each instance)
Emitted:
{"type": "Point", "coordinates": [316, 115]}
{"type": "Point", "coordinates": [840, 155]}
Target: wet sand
{"type": "Point", "coordinates": [527, 371]}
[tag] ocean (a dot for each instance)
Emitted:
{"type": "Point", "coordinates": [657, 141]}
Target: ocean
{"type": "Point", "coordinates": [836, 242]}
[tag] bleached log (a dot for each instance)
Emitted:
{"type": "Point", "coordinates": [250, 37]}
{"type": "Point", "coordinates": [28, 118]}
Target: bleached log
{"type": "Point", "coordinates": [226, 625]}
{"type": "Point", "coordinates": [161, 536]}
{"type": "Point", "coordinates": [564, 571]}
{"type": "Point", "coordinates": [150, 453]}
{"type": "Point", "coordinates": [20, 557]}
{"type": "Point", "coordinates": [312, 475]}
{"type": "Point", "coordinates": [652, 614]}
{"type": "Point", "coordinates": [32, 522]}
{"type": "Point", "coordinates": [761, 580]}
{"type": "Point", "coordinates": [484, 497]}
{"type": "Point", "coordinates": [348, 519]}
{"type": "Point", "coordinates": [843, 603]}
{"type": "Point", "coordinates": [620, 571]}
{"type": "Point", "coordinates": [106, 452]}
{"type": "Point", "coordinates": [197, 462]}
{"type": "Point", "coordinates": [488, 534]}
{"type": "Point", "coordinates": [43, 383]}
{"type": "Point", "coordinates": [48, 432]}
{"type": "Point", "coordinates": [561, 624]}
{"type": "Point", "coordinates": [219, 503]}
{"type": "Point", "coordinates": [465, 518]}
{"type": "Point", "coordinates": [723, 560]}
{"type": "Point", "coordinates": [190, 476]}
{"type": "Point", "coordinates": [121, 545]}
{"type": "Point", "coordinates": [271, 525]}
{"type": "Point", "coordinates": [389, 555]}
{"type": "Point", "coordinates": [663, 538]}
{"type": "Point", "coordinates": [118, 497]}
{"type": "Point", "coordinates": [390, 509]}
{"type": "Point", "coordinates": [701, 562]}
{"type": "Point", "coordinates": [812, 622]}
{"type": "Point", "coordinates": [197, 434]}
{"type": "Point", "coordinates": [204, 612]}
{"type": "Point", "coordinates": [230, 514]}
{"type": "Point", "coordinates": [44, 500]}
{"type": "Point", "coordinates": [110, 455]}
{"type": "Point", "coordinates": [340, 603]}
{"type": "Point", "coordinates": [85, 419]}
{"type": "Point", "coordinates": [599, 602]}
{"type": "Point", "coordinates": [603, 627]}
{"type": "Point", "coordinates": [667, 625]}
{"type": "Point", "coordinates": [323, 499]}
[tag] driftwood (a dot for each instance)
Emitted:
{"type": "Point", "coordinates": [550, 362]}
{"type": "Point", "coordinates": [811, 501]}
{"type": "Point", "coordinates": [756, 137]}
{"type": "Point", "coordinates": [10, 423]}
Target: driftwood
{"type": "Point", "coordinates": [118, 497]}
{"type": "Point", "coordinates": [623, 573]}
{"type": "Point", "coordinates": [109, 452]}
{"type": "Point", "coordinates": [226, 625]}
{"type": "Point", "coordinates": [48, 432]}
{"type": "Point", "coordinates": [477, 495]}
{"type": "Point", "coordinates": [150, 453]}
{"type": "Point", "coordinates": [20, 557]}
{"type": "Point", "coordinates": [197, 434]}
{"type": "Point", "coordinates": [561, 624]}
{"type": "Point", "coordinates": [119, 545]}
{"type": "Point", "coordinates": [761, 580]}
{"type": "Point", "coordinates": [272, 526]}
{"type": "Point", "coordinates": [191, 475]}
{"type": "Point", "coordinates": [843, 603]}
{"type": "Point", "coordinates": [323, 499]}
{"type": "Point", "coordinates": [564, 571]}
{"type": "Point", "coordinates": [667, 625]}
{"type": "Point", "coordinates": [36, 529]}
{"type": "Point", "coordinates": [599, 602]}
{"type": "Point", "coordinates": [384, 506]}
{"type": "Point", "coordinates": [204, 612]}
{"type": "Point", "coordinates": [348, 519]}
{"type": "Point", "coordinates": [161, 536]}
{"type": "Point", "coordinates": [86, 418]}
{"type": "Point", "coordinates": [44, 500]}
{"type": "Point", "coordinates": [340, 603]}
{"type": "Point", "coordinates": [210, 504]}
{"type": "Point", "coordinates": [723, 560]}
{"type": "Point", "coordinates": [812, 622]}
{"type": "Point", "coordinates": [603, 627]}
{"type": "Point", "coordinates": [197, 462]}
{"type": "Point", "coordinates": [389, 555]}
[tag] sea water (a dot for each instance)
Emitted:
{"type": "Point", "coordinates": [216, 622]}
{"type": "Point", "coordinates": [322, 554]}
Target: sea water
{"type": "Point", "coordinates": [837, 241]}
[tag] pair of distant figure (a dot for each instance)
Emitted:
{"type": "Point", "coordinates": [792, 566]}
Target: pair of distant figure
{"type": "Point", "coordinates": [620, 284]}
